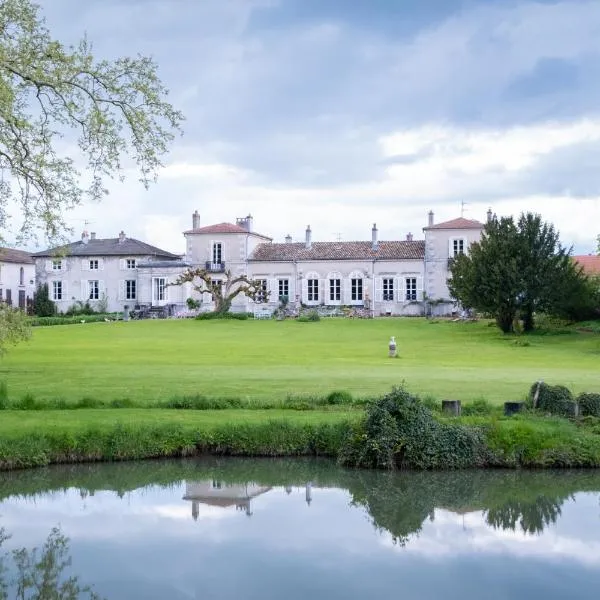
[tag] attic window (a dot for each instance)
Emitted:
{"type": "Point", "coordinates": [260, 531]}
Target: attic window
{"type": "Point", "coordinates": [130, 263]}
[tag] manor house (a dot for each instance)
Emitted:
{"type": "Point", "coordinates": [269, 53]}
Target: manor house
{"type": "Point", "coordinates": [387, 277]}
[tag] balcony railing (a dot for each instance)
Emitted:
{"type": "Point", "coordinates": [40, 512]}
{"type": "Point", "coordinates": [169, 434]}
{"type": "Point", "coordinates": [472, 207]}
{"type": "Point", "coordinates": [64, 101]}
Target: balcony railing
{"type": "Point", "coordinates": [215, 267]}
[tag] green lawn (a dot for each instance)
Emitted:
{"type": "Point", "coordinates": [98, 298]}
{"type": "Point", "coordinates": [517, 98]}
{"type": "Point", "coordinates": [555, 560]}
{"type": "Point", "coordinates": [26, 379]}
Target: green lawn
{"type": "Point", "coordinates": [156, 360]}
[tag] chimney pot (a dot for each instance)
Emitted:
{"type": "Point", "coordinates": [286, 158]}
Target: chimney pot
{"type": "Point", "coordinates": [308, 243]}
{"type": "Point", "coordinates": [85, 236]}
{"type": "Point", "coordinates": [93, 235]}
{"type": "Point", "coordinates": [196, 220]}
{"type": "Point", "coordinates": [288, 239]}
{"type": "Point", "coordinates": [430, 219]}
{"type": "Point", "coordinates": [374, 242]}
{"type": "Point", "coordinates": [121, 237]}
{"type": "Point", "coordinates": [409, 237]}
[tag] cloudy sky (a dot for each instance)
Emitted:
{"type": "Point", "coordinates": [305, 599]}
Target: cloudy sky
{"type": "Point", "coordinates": [342, 113]}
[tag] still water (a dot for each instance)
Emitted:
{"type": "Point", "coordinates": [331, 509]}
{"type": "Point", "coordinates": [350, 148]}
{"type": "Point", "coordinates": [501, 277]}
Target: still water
{"type": "Point", "coordinates": [298, 529]}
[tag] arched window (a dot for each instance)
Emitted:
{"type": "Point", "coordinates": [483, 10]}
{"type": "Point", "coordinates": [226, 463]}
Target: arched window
{"type": "Point", "coordinates": [22, 276]}
{"type": "Point", "coordinates": [357, 287]}
{"type": "Point", "coordinates": [311, 288]}
{"type": "Point", "coordinates": [333, 288]}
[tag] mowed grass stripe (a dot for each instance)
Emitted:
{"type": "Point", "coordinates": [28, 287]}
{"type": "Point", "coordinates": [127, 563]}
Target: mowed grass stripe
{"type": "Point", "coordinates": [149, 361]}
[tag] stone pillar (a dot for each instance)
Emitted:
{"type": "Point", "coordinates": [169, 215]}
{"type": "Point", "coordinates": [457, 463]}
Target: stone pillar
{"type": "Point", "coordinates": [512, 408]}
{"type": "Point", "coordinates": [451, 408]}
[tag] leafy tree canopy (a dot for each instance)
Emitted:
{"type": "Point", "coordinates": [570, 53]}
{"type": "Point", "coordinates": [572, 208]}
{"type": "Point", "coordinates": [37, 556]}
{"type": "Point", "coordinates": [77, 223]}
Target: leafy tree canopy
{"type": "Point", "coordinates": [52, 95]}
{"type": "Point", "coordinates": [518, 269]}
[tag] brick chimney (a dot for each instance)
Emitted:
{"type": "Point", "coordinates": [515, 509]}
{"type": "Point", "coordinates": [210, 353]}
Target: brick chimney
{"type": "Point", "coordinates": [85, 237]}
{"type": "Point", "coordinates": [288, 239]}
{"type": "Point", "coordinates": [93, 235]}
{"type": "Point", "coordinates": [308, 242]}
{"type": "Point", "coordinates": [409, 237]}
{"type": "Point", "coordinates": [430, 219]}
{"type": "Point", "coordinates": [121, 237]}
{"type": "Point", "coordinates": [196, 220]}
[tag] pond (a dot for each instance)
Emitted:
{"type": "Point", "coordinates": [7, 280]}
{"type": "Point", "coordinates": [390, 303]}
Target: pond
{"type": "Point", "coordinates": [298, 529]}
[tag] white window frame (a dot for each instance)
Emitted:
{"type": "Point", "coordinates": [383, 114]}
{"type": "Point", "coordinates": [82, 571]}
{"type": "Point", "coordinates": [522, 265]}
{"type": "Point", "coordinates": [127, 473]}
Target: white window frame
{"type": "Point", "coordinates": [57, 290]}
{"type": "Point", "coordinates": [261, 291]}
{"type": "Point", "coordinates": [130, 289]}
{"type": "Point", "coordinates": [130, 263]}
{"type": "Point", "coordinates": [159, 293]}
{"type": "Point", "coordinates": [388, 291]}
{"type": "Point", "coordinates": [283, 288]}
{"type": "Point", "coordinates": [93, 289]}
{"type": "Point", "coordinates": [411, 288]}
{"type": "Point", "coordinates": [357, 290]}
{"type": "Point", "coordinates": [93, 264]}
{"type": "Point", "coordinates": [57, 264]}
{"type": "Point", "coordinates": [456, 246]}
{"type": "Point", "coordinates": [312, 290]}
{"type": "Point", "coordinates": [216, 252]}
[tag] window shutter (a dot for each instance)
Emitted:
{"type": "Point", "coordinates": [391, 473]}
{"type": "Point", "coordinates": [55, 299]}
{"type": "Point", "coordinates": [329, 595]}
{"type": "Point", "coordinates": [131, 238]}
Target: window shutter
{"type": "Point", "coordinates": [273, 287]}
{"type": "Point", "coordinates": [122, 264]}
{"type": "Point", "coordinates": [378, 289]}
{"type": "Point", "coordinates": [65, 290]}
{"type": "Point", "coordinates": [101, 264]}
{"type": "Point", "coordinates": [121, 289]}
{"type": "Point", "coordinates": [101, 289]}
{"type": "Point", "coordinates": [85, 290]}
{"type": "Point", "coordinates": [451, 248]}
{"type": "Point", "coordinates": [85, 265]}
{"type": "Point", "coordinates": [419, 288]}
{"type": "Point", "coordinates": [304, 290]}
{"type": "Point", "coordinates": [400, 289]}
{"type": "Point", "coordinates": [323, 299]}
{"type": "Point", "coordinates": [346, 290]}
{"type": "Point", "coordinates": [166, 292]}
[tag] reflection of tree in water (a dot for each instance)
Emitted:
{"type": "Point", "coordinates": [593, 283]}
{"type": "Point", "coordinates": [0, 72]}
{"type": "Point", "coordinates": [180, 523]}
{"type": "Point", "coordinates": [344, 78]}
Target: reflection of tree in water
{"type": "Point", "coordinates": [531, 517]}
{"type": "Point", "coordinates": [40, 574]}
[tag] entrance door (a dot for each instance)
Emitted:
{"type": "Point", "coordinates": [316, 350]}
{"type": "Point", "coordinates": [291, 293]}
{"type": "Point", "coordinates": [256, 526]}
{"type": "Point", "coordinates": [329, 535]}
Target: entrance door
{"type": "Point", "coordinates": [22, 301]}
{"type": "Point", "coordinates": [159, 291]}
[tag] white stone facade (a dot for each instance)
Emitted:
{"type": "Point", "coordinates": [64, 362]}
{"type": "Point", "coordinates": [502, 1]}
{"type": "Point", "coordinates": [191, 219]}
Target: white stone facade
{"type": "Point", "coordinates": [407, 277]}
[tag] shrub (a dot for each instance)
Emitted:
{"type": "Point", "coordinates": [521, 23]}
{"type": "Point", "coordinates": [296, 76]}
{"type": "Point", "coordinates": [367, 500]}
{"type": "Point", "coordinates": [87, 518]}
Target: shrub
{"type": "Point", "coordinates": [339, 397]}
{"type": "Point", "coordinates": [209, 316]}
{"type": "Point", "coordinates": [79, 308]}
{"type": "Point", "coordinates": [199, 402]}
{"type": "Point", "coordinates": [553, 399]}
{"type": "Point", "coordinates": [477, 407]}
{"type": "Point", "coordinates": [589, 404]}
{"type": "Point", "coordinates": [310, 316]}
{"type": "Point", "coordinates": [42, 305]}
{"type": "Point", "coordinates": [399, 431]}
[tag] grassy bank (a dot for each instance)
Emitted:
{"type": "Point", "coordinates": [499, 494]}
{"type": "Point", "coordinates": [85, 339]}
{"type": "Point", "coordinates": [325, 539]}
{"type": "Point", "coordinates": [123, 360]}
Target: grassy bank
{"type": "Point", "coordinates": [29, 439]}
{"type": "Point", "coordinates": [148, 362]}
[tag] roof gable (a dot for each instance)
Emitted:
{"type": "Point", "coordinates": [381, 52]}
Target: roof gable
{"type": "Point", "coordinates": [460, 223]}
{"type": "Point", "coordinates": [108, 247]}
{"type": "Point", "coordinates": [400, 250]}
{"type": "Point", "coordinates": [220, 228]}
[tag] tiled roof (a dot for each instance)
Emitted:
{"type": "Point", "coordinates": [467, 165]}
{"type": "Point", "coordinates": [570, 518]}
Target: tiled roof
{"type": "Point", "coordinates": [340, 251]}
{"type": "Point", "coordinates": [459, 223]}
{"type": "Point", "coordinates": [590, 263]}
{"type": "Point", "coordinates": [11, 255]}
{"type": "Point", "coordinates": [224, 228]}
{"type": "Point", "coordinates": [161, 264]}
{"type": "Point", "coordinates": [108, 247]}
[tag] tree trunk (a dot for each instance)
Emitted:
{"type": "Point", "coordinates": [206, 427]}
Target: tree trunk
{"type": "Point", "coordinates": [504, 319]}
{"type": "Point", "coordinates": [528, 320]}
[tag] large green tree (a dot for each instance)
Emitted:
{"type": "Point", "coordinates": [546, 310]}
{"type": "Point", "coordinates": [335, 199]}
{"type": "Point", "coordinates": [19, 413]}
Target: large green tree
{"type": "Point", "coordinates": [516, 270]}
{"type": "Point", "coordinates": [69, 121]}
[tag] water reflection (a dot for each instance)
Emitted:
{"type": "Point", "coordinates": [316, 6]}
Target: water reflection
{"type": "Point", "coordinates": [187, 529]}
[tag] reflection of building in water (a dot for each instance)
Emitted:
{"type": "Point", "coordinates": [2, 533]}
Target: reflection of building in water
{"type": "Point", "coordinates": [218, 493]}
